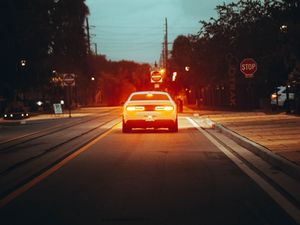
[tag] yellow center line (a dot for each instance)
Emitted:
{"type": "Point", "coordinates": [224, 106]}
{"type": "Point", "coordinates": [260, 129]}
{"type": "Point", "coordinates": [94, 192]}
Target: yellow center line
{"type": "Point", "coordinates": [4, 201]}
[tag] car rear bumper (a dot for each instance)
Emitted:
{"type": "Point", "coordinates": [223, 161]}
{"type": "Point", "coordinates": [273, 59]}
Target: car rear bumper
{"type": "Point", "coordinates": [150, 124]}
{"type": "Point", "coordinates": [150, 116]}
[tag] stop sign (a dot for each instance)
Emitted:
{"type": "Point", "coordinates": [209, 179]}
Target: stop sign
{"type": "Point", "coordinates": [248, 67]}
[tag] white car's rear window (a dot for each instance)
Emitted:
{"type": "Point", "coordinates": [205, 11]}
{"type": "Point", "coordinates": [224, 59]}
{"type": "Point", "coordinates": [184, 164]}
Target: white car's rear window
{"type": "Point", "coordinates": [139, 97]}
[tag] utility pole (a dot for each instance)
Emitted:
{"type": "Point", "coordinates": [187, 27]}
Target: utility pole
{"type": "Point", "coordinates": [96, 49]}
{"type": "Point", "coordinates": [88, 35]}
{"type": "Point", "coordinates": [166, 46]}
{"type": "Point", "coordinates": [162, 56]}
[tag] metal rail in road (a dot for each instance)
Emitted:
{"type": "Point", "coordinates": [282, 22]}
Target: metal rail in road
{"type": "Point", "coordinates": [26, 159]}
{"type": "Point", "coordinates": [11, 143]}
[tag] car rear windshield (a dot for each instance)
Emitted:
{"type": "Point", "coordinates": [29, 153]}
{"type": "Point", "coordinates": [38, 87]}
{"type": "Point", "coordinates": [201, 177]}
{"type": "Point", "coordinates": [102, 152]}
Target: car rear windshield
{"type": "Point", "coordinates": [138, 97]}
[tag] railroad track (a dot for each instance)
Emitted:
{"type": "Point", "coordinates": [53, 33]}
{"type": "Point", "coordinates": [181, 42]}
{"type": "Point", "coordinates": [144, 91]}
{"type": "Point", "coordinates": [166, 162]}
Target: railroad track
{"type": "Point", "coordinates": [11, 143]}
{"type": "Point", "coordinates": [22, 159]}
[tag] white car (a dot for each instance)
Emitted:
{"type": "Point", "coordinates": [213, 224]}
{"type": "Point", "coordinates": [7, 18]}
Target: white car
{"type": "Point", "coordinates": [149, 109]}
{"type": "Point", "coordinates": [279, 98]}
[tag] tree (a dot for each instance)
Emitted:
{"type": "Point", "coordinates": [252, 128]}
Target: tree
{"type": "Point", "coordinates": [38, 37]}
{"type": "Point", "coordinates": [246, 29]}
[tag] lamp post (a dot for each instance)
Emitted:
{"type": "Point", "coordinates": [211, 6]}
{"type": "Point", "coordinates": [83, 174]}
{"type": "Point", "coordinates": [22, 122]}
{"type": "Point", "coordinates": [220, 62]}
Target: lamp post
{"type": "Point", "coordinates": [21, 66]}
{"type": "Point", "coordinates": [284, 30]}
{"type": "Point", "coordinates": [93, 87]}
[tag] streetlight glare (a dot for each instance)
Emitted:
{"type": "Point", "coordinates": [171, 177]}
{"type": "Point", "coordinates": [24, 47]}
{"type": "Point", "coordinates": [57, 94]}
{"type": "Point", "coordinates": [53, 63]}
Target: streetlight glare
{"type": "Point", "coordinates": [162, 71]}
{"type": "Point", "coordinates": [39, 103]}
{"type": "Point", "coordinates": [174, 76]}
{"type": "Point", "coordinates": [284, 28]}
{"type": "Point", "coordinates": [23, 62]}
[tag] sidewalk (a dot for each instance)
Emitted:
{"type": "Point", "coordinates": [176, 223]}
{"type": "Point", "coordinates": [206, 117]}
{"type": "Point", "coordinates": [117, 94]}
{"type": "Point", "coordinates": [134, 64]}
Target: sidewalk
{"type": "Point", "coordinates": [279, 133]}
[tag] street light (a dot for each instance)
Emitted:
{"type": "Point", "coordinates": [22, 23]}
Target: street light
{"type": "Point", "coordinates": [174, 76]}
{"type": "Point", "coordinates": [162, 71]}
{"type": "Point", "coordinates": [23, 62]}
{"type": "Point", "coordinates": [284, 28]}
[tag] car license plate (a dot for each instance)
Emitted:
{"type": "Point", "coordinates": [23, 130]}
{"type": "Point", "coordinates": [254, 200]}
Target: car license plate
{"type": "Point", "coordinates": [149, 118]}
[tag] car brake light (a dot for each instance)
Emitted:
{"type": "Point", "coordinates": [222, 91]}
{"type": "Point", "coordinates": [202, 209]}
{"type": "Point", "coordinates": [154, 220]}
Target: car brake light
{"type": "Point", "coordinates": [135, 108]}
{"type": "Point", "coordinates": [164, 108]}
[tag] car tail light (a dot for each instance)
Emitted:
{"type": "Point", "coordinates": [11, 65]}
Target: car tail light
{"type": "Point", "coordinates": [164, 108]}
{"type": "Point", "coordinates": [135, 108]}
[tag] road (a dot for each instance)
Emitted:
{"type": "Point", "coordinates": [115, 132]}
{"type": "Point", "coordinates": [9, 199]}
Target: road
{"type": "Point", "coordinates": [144, 177]}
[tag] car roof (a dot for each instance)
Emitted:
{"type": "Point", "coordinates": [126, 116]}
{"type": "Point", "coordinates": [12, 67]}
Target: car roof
{"type": "Point", "coordinates": [149, 92]}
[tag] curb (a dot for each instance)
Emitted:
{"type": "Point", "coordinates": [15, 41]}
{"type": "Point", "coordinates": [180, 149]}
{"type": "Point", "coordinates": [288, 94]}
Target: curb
{"type": "Point", "coordinates": [285, 165]}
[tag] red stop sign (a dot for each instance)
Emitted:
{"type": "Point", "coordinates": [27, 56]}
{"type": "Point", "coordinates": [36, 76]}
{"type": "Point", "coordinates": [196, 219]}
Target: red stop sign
{"type": "Point", "coordinates": [248, 67]}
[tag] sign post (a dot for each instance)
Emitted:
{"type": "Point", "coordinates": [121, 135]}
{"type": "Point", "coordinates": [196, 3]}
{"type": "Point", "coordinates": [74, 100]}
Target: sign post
{"type": "Point", "coordinates": [69, 81]}
{"type": "Point", "coordinates": [248, 67]}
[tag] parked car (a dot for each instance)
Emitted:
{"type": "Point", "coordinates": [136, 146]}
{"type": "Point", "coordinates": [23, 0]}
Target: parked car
{"type": "Point", "coordinates": [279, 98]}
{"type": "Point", "coordinates": [149, 109]}
{"type": "Point", "coordinates": [16, 111]}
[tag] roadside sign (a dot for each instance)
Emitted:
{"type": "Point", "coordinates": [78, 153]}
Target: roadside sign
{"type": "Point", "coordinates": [248, 67]}
{"type": "Point", "coordinates": [156, 85]}
{"type": "Point", "coordinates": [156, 77]}
{"type": "Point", "coordinates": [69, 79]}
{"type": "Point", "coordinates": [57, 108]}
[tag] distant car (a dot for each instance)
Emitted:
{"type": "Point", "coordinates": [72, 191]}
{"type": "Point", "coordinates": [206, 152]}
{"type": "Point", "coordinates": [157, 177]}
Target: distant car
{"type": "Point", "coordinates": [149, 109]}
{"type": "Point", "coordinates": [15, 112]}
{"type": "Point", "coordinates": [280, 98]}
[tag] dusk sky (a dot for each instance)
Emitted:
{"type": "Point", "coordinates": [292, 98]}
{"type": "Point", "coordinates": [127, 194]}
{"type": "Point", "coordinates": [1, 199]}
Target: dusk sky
{"type": "Point", "coordinates": [134, 29]}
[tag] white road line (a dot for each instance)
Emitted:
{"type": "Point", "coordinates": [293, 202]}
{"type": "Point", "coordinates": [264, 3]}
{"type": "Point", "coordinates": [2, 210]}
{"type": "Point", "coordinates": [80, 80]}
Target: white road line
{"type": "Point", "coordinates": [290, 208]}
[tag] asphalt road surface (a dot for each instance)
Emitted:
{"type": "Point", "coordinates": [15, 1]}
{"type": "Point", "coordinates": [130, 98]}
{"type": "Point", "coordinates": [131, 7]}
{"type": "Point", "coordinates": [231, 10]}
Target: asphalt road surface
{"type": "Point", "coordinates": [146, 177]}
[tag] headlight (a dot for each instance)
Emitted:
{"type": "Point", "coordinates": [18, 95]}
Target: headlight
{"type": "Point", "coordinates": [22, 114]}
{"type": "Point", "coordinates": [39, 103]}
{"type": "Point", "coordinates": [5, 116]}
{"type": "Point", "coordinates": [11, 115]}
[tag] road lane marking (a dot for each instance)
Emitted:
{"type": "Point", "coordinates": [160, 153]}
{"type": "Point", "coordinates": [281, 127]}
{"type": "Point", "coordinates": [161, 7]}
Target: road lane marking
{"type": "Point", "coordinates": [289, 207]}
{"type": "Point", "coordinates": [4, 201]}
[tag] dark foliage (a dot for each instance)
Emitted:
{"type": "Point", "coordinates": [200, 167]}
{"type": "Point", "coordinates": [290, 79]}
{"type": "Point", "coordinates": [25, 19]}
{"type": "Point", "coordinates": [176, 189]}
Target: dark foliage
{"type": "Point", "coordinates": [37, 37]}
{"type": "Point", "coordinates": [267, 31]}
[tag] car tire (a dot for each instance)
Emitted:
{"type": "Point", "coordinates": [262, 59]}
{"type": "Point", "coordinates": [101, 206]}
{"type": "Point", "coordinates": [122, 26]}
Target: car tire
{"type": "Point", "coordinates": [174, 127]}
{"type": "Point", "coordinates": [125, 127]}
